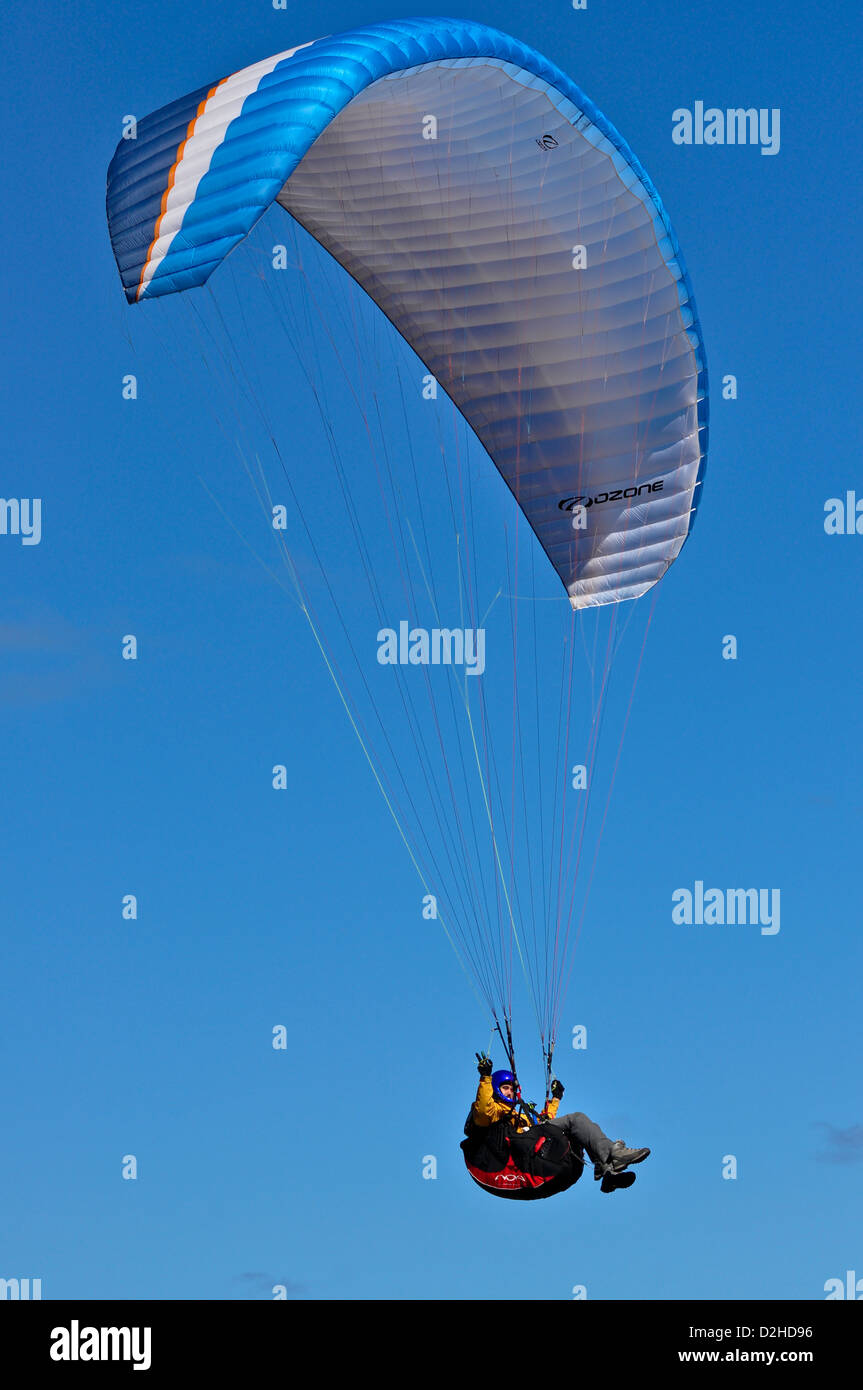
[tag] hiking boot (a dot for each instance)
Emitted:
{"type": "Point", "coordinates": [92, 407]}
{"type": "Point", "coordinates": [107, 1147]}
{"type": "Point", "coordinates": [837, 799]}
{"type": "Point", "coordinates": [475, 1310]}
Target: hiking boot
{"type": "Point", "coordinates": [612, 1181]}
{"type": "Point", "coordinates": [621, 1157]}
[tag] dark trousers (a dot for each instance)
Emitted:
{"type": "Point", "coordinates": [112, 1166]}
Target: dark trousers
{"type": "Point", "coordinates": [583, 1134]}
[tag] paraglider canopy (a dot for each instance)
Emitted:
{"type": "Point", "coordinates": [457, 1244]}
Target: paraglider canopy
{"type": "Point", "coordinates": [506, 229]}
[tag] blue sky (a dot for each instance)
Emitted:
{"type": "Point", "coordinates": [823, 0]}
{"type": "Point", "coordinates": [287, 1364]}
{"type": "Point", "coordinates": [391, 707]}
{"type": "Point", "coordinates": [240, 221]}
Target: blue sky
{"type": "Point", "coordinates": [256, 908]}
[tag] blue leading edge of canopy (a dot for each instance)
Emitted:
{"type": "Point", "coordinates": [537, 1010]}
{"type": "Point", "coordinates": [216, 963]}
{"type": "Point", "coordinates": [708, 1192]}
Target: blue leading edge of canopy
{"type": "Point", "coordinates": [299, 98]}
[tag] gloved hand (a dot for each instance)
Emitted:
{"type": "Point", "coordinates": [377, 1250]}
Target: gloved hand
{"type": "Point", "coordinates": [557, 1089]}
{"type": "Point", "coordinates": [483, 1064]}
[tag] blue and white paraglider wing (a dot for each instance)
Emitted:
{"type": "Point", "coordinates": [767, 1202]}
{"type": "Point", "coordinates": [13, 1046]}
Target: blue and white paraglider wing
{"type": "Point", "coordinates": [506, 229]}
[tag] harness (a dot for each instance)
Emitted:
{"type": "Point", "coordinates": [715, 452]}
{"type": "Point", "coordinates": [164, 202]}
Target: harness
{"type": "Point", "coordinates": [521, 1164]}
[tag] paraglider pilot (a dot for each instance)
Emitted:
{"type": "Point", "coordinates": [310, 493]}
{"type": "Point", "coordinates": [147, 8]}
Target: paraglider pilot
{"type": "Point", "coordinates": [512, 1151]}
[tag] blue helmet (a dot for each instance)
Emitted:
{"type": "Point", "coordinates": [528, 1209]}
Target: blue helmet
{"type": "Point", "coordinates": [501, 1078]}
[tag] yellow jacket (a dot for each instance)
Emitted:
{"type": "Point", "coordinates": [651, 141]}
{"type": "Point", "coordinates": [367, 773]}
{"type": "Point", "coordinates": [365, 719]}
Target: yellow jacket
{"type": "Point", "coordinates": [487, 1111]}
